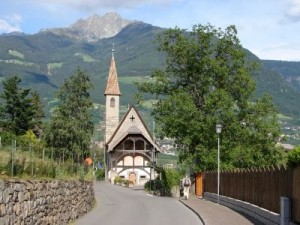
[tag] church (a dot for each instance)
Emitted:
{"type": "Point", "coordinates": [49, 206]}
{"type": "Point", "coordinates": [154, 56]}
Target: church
{"type": "Point", "coordinates": [129, 146]}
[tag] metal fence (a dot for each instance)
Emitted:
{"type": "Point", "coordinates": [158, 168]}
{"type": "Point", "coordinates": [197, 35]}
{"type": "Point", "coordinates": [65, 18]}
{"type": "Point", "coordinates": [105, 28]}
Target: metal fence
{"type": "Point", "coordinates": [32, 161]}
{"type": "Point", "coordinates": [261, 187]}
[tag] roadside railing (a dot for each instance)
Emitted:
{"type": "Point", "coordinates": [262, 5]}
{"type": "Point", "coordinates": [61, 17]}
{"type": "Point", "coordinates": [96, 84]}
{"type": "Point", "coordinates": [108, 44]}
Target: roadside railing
{"type": "Point", "coordinates": [29, 161]}
{"type": "Point", "coordinates": [262, 187]}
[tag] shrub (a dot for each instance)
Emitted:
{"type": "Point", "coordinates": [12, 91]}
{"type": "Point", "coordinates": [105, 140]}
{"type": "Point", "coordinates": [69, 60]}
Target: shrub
{"type": "Point", "coordinates": [126, 182]}
{"type": "Point", "coordinates": [100, 174]}
{"type": "Point", "coordinates": [118, 180]}
{"type": "Point", "coordinates": [163, 187]}
{"type": "Point", "coordinates": [294, 157]}
{"type": "Point", "coordinates": [6, 138]}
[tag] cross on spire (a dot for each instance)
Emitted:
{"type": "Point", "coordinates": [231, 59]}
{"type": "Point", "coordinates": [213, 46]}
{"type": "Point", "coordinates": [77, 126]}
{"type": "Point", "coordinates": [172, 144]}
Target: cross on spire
{"type": "Point", "coordinates": [132, 118]}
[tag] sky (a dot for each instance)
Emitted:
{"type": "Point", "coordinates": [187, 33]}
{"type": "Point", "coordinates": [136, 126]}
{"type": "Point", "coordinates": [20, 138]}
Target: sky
{"type": "Point", "coordinates": [268, 28]}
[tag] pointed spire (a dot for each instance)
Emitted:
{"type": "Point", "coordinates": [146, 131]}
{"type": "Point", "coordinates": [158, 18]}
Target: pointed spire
{"type": "Point", "coordinates": [112, 86]}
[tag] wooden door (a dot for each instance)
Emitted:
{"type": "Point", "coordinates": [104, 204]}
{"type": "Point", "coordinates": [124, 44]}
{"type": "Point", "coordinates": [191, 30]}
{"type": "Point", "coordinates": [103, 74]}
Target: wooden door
{"type": "Point", "coordinates": [199, 184]}
{"type": "Point", "coordinates": [132, 177]}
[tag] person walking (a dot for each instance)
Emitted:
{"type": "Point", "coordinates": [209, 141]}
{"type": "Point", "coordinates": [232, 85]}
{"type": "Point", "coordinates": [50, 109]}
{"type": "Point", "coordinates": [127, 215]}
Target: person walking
{"type": "Point", "coordinates": [186, 183]}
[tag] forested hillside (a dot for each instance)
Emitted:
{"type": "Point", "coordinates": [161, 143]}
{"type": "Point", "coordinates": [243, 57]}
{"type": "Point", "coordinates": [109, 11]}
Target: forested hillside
{"type": "Point", "coordinates": [290, 71]}
{"type": "Point", "coordinates": [44, 60]}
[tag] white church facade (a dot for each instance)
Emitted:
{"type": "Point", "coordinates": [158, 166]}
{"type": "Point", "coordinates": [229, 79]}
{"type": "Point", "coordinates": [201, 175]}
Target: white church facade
{"type": "Point", "coordinates": [129, 145]}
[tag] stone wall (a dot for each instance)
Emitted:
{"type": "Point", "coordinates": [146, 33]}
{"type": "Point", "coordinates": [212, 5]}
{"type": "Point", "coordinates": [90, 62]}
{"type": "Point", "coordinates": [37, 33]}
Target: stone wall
{"type": "Point", "coordinates": [260, 214]}
{"type": "Point", "coordinates": [44, 201]}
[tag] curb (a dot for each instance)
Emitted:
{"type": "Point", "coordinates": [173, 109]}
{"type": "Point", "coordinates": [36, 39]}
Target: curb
{"type": "Point", "coordinates": [193, 211]}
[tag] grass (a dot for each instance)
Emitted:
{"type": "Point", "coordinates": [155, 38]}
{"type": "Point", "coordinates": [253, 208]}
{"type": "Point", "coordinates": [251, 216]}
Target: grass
{"type": "Point", "coordinates": [281, 116]}
{"type": "Point", "coordinates": [33, 164]}
{"type": "Point", "coordinates": [148, 104]}
{"type": "Point", "coordinates": [164, 159]}
{"type": "Point", "coordinates": [130, 79]}
{"type": "Point", "coordinates": [133, 79]}
{"type": "Point", "coordinates": [85, 57]}
{"type": "Point", "coordinates": [18, 62]}
{"type": "Point", "coordinates": [54, 65]}
{"type": "Point", "coordinates": [16, 54]}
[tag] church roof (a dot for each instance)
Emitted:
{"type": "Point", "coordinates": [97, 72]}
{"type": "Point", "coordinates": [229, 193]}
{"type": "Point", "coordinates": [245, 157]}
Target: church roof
{"type": "Point", "coordinates": [112, 86]}
{"type": "Point", "coordinates": [132, 123]}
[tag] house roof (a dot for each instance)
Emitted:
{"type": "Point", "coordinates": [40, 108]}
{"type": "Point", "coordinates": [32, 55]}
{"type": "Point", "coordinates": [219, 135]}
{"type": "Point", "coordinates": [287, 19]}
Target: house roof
{"type": "Point", "coordinates": [132, 123]}
{"type": "Point", "coordinates": [112, 86]}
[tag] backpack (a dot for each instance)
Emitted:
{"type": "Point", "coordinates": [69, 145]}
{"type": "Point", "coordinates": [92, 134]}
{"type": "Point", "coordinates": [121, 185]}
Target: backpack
{"type": "Point", "coordinates": [186, 182]}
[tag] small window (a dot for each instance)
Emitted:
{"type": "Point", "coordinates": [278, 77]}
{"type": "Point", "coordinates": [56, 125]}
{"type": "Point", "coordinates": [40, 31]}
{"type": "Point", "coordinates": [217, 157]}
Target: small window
{"type": "Point", "coordinates": [139, 145]}
{"type": "Point", "coordinates": [128, 145]}
{"type": "Point", "coordinates": [112, 102]}
{"type": "Point", "coordinates": [142, 177]}
{"type": "Point", "coordinates": [123, 177]}
{"type": "Point", "coordinates": [148, 146]}
{"type": "Point", "coordinates": [120, 147]}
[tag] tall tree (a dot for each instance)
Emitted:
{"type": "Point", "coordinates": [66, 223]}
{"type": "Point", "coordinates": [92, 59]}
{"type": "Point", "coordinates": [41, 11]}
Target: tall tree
{"type": "Point", "coordinates": [207, 80]}
{"type": "Point", "coordinates": [38, 114]}
{"type": "Point", "coordinates": [71, 126]}
{"type": "Point", "coordinates": [16, 112]}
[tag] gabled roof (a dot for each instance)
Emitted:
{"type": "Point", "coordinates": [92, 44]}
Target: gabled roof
{"type": "Point", "coordinates": [112, 86]}
{"type": "Point", "coordinates": [132, 123]}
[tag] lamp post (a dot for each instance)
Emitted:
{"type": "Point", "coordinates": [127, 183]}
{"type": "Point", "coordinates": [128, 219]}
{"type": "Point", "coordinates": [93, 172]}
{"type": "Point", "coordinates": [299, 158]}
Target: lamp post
{"type": "Point", "coordinates": [218, 130]}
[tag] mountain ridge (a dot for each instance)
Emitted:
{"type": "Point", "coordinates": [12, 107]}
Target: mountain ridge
{"type": "Point", "coordinates": [94, 27]}
{"type": "Point", "coordinates": [45, 59]}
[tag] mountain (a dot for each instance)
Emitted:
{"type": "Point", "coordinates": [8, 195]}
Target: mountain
{"type": "Point", "coordinates": [290, 71]}
{"type": "Point", "coordinates": [45, 59]}
{"type": "Point", "coordinates": [93, 28]}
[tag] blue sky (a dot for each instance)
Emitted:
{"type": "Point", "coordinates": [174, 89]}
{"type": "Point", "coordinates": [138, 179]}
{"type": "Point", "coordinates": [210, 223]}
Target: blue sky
{"type": "Point", "coordinates": [268, 28]}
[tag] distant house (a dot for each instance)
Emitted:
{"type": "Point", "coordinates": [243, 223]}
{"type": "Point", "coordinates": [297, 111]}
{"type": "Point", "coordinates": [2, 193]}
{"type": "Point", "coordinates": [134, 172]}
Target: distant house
{"type": "Point", "coordinates": [129, 146]}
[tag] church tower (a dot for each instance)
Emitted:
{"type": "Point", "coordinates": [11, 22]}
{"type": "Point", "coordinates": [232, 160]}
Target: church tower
{"type": "Point", "coordinates": [112, 98]}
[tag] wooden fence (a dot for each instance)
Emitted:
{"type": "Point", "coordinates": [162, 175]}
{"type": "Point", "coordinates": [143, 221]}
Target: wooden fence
{"type": "Point", "coordinates": [261, 187]}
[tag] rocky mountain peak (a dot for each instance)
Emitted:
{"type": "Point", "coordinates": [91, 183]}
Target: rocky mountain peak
{"type": "Point", "coordinates": [94, 27]}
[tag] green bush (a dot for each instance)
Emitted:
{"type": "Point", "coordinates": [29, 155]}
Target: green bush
{"type": "Point", "coordinates": [163, 187]}
{"type": "Point", "coordinates": [126, 182]}
{"type": "Point", "coordinates": [100, 174]}
{"type": "Point", "coordinates": [294, 157]}
{"type": "Point", "coordinates": [6, 138]}
{"type": "Point", "coordinates": [118, 180]}
{"type": "Point", "coordinates": [15, 167]}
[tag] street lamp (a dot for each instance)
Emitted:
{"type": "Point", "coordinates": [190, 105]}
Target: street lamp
{"type": "Point", "coordinates": [218, 130]}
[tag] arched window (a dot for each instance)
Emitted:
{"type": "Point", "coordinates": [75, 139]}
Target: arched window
{"type": "Point", "coordinates": [128, 145]}
{"type": "Point", "coordinates": [128, 161]}
{"type": "Point", "coordinates": [139, 145]}
{"type": "Point", "coordinates": [112, 102]}
{"type": "Point", "coordinates": [138, 161]}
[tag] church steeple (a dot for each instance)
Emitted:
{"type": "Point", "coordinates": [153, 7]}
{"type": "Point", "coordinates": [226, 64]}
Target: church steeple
{"type": "Point", "coordinates": [112, 86]}
{"type": "Point", "coordinates": [112, 96]}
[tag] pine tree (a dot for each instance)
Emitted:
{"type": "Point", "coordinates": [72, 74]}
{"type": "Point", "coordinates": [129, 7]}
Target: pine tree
{"type": "Point", "coordinates": [71, 126]}
{"type": "Point", "coordinates": [16, 112]}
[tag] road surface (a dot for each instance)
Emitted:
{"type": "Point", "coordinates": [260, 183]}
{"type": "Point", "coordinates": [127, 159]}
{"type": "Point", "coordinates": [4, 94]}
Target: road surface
{"type": "Point", "coordinates": [118, 205]}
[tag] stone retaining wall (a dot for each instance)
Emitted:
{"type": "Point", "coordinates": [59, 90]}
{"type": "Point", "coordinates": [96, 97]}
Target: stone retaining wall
{"type": "Point", "coordinates": [44, 202]}
{"type": "Point", "coordinates": [260, 214]}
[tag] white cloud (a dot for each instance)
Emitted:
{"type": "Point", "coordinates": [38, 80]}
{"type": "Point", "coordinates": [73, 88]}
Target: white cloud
{"type": "Point", "coordinates": [10, 23]}
{"type": "Point", "coordinates": [92, 5]}
{"type": "Point", "coordinates": [292, 12]}
{"type": "Point", "coordinates": [279, 51]}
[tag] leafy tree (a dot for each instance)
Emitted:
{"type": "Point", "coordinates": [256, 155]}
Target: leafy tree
{"type": "Point", "coordinates": [71, 126]}
{"type": "Point", "coordinates": [38, 113]}
{"type": "Point", "coordinates": [207, 80]}
{"type": "Point", "coordinates": [17, 111]}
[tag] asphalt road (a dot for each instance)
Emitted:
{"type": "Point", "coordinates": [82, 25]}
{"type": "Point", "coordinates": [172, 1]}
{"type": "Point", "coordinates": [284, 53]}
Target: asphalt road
{"type": "Point", "coordinates": [122, 206]}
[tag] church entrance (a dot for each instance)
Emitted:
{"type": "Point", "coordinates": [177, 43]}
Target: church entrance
{"type": "Point", "coordinates": [132, 178]}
